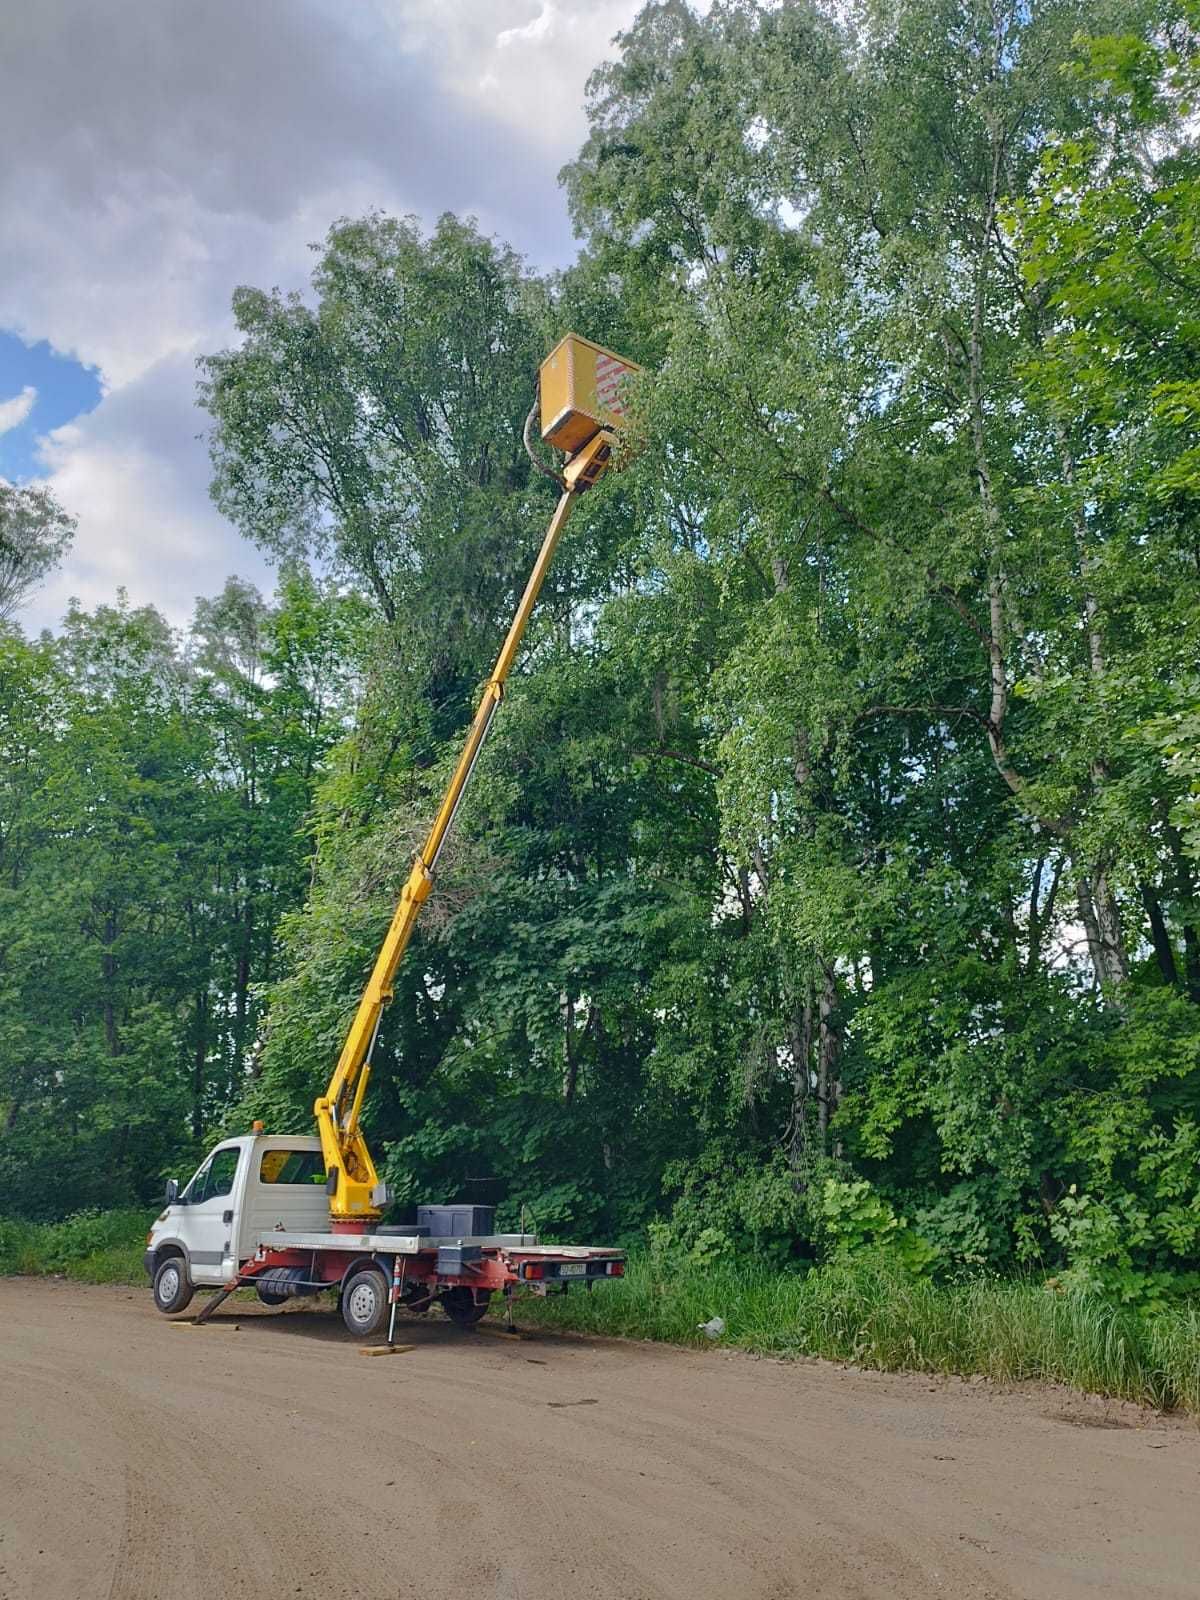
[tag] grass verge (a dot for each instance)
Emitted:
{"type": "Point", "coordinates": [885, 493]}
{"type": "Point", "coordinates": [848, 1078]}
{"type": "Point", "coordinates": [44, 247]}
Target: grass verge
{"type": "Point", "coordinates": [92, 1247]}
{"type": "Point", "coordinates": [873, 1315]}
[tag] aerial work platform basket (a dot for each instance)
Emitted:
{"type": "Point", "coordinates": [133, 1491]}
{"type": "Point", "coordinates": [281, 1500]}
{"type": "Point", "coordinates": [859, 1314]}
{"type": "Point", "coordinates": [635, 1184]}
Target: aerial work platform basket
{"type": "Point", "coordinates": [582, 388]}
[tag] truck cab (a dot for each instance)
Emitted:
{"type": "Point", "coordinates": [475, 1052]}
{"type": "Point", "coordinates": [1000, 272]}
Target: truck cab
{"type": "Point", "coordinates": [243, 1188]}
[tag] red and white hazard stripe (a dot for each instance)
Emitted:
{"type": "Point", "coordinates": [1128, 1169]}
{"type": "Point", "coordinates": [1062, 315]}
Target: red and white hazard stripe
{"type": "Point", "coordinates": [609, 372]}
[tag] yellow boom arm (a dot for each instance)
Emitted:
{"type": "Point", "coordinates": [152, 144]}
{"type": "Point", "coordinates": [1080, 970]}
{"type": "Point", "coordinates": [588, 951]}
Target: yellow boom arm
{"type": "Point", "coordinates": [354, 1187]}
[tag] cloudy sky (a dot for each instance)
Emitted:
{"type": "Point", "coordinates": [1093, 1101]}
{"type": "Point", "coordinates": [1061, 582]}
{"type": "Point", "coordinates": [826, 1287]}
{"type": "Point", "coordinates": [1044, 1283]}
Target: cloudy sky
{"type": "Point", "coordinates": [159, 152]}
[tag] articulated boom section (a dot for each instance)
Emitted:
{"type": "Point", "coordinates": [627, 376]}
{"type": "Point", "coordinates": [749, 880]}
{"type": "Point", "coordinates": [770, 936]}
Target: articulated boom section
{"type": "Point", "coordinates": [356, 1194]}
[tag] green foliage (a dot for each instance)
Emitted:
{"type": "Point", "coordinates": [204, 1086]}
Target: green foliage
{"type": "Point", "coordinates": [1111, 1244]}
{"type": "Point", "coordinates": [752, 1204]}
{"type": "Point", "coordinates": [154, 794]}
{"type": "Point", "coordinates": [968, 1227]}
{"type": "Point", "coordinates": [853, 1218]}
{"type": "Point", "coordinates": [90, 1246]}
{"type": "Point", "coordinates": [35, 533]}
{"type": "Point", "coordinates": [828, 885]}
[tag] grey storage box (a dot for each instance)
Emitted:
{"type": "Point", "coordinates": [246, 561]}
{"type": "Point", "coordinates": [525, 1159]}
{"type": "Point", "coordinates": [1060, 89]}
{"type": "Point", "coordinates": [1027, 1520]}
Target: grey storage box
{"type": "Point", "coordinates": [456, 1222]}
{"type": "Point", "coordinates": [455, 1259]}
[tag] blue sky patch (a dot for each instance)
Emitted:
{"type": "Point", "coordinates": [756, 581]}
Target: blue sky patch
{"type": "Point", "coordinates": [41, 390]}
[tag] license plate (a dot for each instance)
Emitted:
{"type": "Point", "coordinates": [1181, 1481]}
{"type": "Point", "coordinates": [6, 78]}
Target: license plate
{"type": "Point", "coordinates": [573, 1269]}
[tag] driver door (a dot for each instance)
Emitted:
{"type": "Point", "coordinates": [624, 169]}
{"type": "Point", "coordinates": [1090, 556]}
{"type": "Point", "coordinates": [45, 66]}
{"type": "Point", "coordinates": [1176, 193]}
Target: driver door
{"type": "Point", "coordinates": [206, 1217]}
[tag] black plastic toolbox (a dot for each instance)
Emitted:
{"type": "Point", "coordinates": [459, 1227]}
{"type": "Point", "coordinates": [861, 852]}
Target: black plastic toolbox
{"type": "Point", "coordinates": [457, 1222]}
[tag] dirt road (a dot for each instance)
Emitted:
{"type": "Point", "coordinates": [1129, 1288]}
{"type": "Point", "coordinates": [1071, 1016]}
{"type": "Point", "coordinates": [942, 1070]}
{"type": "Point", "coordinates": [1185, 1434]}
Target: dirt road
{"type": "Point", "coordinates": [143, 1461]}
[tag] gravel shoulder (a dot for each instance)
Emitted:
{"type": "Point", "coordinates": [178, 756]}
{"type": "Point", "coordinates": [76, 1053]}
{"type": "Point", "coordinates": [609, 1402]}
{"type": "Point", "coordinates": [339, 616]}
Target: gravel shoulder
{"type": "Point", "coordinates": [264, 1454]}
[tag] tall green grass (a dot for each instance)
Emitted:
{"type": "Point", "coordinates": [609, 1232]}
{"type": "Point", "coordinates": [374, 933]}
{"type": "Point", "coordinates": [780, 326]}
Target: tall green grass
{"type": "Point", "coordinates": [872, 1314]}
{"type": "Point", "coordinates": [91, 1247]}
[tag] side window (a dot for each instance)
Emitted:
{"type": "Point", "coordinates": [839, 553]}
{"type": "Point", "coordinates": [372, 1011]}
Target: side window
{"type": "Point", "coordinates": [292, 1166]}
{"type": "Point", "coordinates": [222, 1170]}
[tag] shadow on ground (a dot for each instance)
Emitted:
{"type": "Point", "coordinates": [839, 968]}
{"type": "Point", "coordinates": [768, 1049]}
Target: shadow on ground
{"type": "Point", "coordinates": [315, 1320]}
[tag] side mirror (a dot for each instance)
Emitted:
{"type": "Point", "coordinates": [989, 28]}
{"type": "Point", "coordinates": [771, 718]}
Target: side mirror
{"type": "Point", "coordinates": [172, 1191]}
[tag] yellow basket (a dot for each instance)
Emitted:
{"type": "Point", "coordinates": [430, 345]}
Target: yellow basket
{"type": "Point", "coordinates": [582, 391]}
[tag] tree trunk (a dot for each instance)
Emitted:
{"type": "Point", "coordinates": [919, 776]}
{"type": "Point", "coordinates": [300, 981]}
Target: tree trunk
{"type": "Point", "coordinates": [570, 1050]}
{"type": "Point", "coordinates": [1191, 961]}
{"type": "Point", "coordinates": [829, 1055]}
{"type": "Point", "coordinates": [1164, 952]}
{"type": "Point", "coordinates": [1185, 888]}
{"type": "Point", "coordinates": [241, 989]}
{"type": "Point", "coordinates": [1108, 954]}
{"type": "Point", "coordinates": [199, 1058]}
{"type": "Point", "coordinates": [800, 1041]}
{"type": "Point", "coordinates": [1101, 918]}
{"type": "Point", "coordinates": [108, 964]}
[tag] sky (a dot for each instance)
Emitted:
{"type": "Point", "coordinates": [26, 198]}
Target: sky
{"type": "Point", "coordinates": [157, 155]}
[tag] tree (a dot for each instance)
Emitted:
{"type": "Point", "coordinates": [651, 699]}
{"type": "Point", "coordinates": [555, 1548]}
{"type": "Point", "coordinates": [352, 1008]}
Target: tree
{"type": "Point", "coordinates": [35, 534]}
{"type": "Point", "coordinates": [382, 428]}
{"type": "Point", "coordinates": [153, 795]}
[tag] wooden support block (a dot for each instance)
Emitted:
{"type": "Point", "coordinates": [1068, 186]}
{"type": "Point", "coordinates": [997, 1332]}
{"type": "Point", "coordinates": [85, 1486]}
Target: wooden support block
{"type": "Point", "coordinates": [387, 1350]}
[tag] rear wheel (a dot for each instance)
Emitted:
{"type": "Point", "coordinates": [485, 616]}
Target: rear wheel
{"type": "Point", "coordinates": [365, 1303]}
{"type": "Point", "coordinates": [465, 1307]}
{"type": "Point", "coordinates": [173, 1289]}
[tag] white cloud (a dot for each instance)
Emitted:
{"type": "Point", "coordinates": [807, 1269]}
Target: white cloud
{"type": "Point", "coordinates": [158, 156]}
{"type": "Point", "coordinates": [539, 28]}
{"type": "Point", "coordinates": [526, 62]}
{"type": "Point", "coordinates": [135, 475]}
{"type": "Point", "coordinates": [13, 412]}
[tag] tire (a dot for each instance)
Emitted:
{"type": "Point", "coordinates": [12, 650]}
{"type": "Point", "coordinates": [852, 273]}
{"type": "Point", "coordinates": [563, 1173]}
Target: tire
{"type": "Point", "coordinates": [365, 1302]}
{"type": "Point", "coordinates": [173, 1289]}
{"type": "Point", "coordinates": [462, 1307]}
{"type": "Point", "coordinates": [268, 1297]}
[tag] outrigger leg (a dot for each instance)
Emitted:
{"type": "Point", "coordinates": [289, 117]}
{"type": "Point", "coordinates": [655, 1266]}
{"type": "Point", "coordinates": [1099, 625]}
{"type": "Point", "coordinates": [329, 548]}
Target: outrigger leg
{"type": "Point", "coordinates": [218, 1299]}
{"type": "Point", "coordinates": [238, 1281]}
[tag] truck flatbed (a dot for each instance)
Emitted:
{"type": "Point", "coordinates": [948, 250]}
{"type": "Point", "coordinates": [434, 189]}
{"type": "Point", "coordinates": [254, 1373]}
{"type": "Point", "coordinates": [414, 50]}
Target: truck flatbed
{"type": "Point", "coordinates": [411, 1244]}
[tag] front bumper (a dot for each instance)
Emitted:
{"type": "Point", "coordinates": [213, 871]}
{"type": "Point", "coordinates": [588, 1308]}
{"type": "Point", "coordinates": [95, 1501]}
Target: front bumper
{"type": "Point", "coordinates": [148, 1263]}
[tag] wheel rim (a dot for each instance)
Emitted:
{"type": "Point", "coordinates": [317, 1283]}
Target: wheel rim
{"type": "Point", "coordinates": [168, 1284]}
{"type": "Point", "coordinates": [362, 1302]}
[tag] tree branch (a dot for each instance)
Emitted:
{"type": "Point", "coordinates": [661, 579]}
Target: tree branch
{"type": "Point", "coordinates": [663, 754]}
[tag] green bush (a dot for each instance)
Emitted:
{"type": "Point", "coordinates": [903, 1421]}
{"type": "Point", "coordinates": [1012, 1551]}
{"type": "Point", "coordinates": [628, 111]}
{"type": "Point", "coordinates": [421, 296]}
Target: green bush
{"type": "Point", "coordinates": [726, 1194]}
{"type": "Point", "coordinates": [1110, 1247]}
{"type": "Point", "coordinates": [853, 1218]}
{"type": "Point", "coordinates": [969, 1226]}
{"type": "Point", "coordinates": [91, 1246]}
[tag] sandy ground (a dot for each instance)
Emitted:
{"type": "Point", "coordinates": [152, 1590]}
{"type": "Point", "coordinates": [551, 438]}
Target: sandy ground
{"type": "Point", "coordinates": [264, 1455]}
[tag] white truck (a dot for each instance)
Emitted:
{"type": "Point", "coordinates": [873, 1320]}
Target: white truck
{"type": "Point", "coordinates": [256, 1214]}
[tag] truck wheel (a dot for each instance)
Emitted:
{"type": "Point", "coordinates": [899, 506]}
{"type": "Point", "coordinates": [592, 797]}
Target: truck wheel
{"type": "Point", "coordinates": [365, 1303]}
{"type": "Point", "coordinates": [173, 1289]}
{"type": "Point", "coordinates": [462, 1306]}
{"type": "Point", "coordinates": [270, 1297]}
